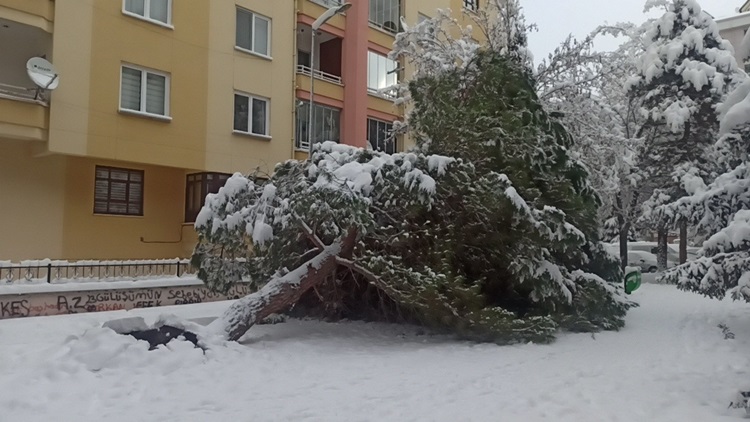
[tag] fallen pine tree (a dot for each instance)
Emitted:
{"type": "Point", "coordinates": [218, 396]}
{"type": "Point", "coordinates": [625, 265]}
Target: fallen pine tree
{"type": "Point", "coordinates": [361, 234]}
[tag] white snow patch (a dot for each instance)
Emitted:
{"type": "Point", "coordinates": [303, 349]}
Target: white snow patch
{"type": "Point", "coordinates": [670, 363]}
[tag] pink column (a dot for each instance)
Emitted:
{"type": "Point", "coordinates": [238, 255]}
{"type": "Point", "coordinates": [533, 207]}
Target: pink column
{"type": "Point", "coordinates": [354, 115]}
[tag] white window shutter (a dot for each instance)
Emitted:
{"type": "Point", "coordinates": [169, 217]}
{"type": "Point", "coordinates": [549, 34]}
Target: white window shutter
{"type": "Point", "coordinates": [156, 91]}
{"type": "Point", "coordinates": [130, 95]}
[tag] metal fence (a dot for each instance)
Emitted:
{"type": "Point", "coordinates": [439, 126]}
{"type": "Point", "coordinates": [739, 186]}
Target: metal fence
{"type": "Point", "coordinates": [63, 271]}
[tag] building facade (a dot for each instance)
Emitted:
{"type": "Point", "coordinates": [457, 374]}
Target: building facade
{"type": "Point", "coordinates": [733, 29]}
{"type": "Point", "coordinates": [160, 100]}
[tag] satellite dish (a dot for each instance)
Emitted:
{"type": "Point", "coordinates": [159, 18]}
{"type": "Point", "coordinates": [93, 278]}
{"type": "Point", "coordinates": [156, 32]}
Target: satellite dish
{"type": "Point", "coordinates": [42, 73]}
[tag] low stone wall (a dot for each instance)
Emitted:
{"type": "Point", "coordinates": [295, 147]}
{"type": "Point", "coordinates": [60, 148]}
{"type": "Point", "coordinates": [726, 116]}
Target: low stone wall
{"type": "Point", "coordinates": [75, 302]}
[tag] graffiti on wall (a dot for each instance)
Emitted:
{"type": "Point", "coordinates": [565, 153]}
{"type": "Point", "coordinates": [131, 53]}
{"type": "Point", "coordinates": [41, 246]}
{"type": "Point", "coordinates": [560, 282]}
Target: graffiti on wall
{"type": "Point", "coordinates": [39, 304]}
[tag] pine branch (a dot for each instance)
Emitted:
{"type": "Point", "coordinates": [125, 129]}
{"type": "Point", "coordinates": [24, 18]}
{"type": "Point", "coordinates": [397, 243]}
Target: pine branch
{"type": "Point", "coordinates": [310, 234]}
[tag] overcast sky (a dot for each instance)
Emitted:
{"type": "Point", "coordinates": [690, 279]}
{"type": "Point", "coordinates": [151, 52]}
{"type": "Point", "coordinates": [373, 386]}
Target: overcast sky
{"type": "Point", "coordinates": [558, 18]}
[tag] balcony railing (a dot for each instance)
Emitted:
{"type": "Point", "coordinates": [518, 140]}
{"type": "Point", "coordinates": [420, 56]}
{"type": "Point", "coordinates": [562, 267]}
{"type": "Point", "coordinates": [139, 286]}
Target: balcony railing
{"type": "Point", "coordinates": [32, 95]}
{"type": "Point", "coordinates": [305, 70]}
{"type": "Point", "coordinates": [387, 26]}
{"type": "Point", "coordinates": [390, 93]}
{"type": "Point", "coordinates": [327, 3]}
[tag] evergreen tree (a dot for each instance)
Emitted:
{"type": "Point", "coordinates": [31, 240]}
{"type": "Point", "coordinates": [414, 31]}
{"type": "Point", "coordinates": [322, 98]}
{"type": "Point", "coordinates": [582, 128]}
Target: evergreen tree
{"type": "Point", "coordinates": [439, 244]}
{"type": "Point", "coordinates": [684, 73]}
{"type": "Point", "coordinates": [721, 210]}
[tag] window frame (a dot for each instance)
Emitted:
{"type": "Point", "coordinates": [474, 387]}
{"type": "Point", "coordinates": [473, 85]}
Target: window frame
{"type": "Point", "coordinates": [147, 12]}
{"type": "Point", "coordinates": [205, 186]}
{"type": "Point", "coordinates": [144, 92]}
{"type": "Point", "coordinates": [250, 98]}
{"type": "Point", "coordinates": [304, 112]}
{"type": "Point", "coordinates": [390, 137]}
{"type": "Point", "coordinates": [383, 13]}
{"type": "Point", "coordinates": [128, 183]}
{"type": "Point", "coordinates": [252, 50]}
{"type": "Point", "coordinates": [388, 73]}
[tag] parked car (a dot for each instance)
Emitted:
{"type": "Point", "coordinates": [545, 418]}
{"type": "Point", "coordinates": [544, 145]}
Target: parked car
{"type": "Point", "coordinates": [641, 254]}
{"type": "Point", "coordinates": [673, 254]}
{"type": "Point", "coordinates": [646, 261]}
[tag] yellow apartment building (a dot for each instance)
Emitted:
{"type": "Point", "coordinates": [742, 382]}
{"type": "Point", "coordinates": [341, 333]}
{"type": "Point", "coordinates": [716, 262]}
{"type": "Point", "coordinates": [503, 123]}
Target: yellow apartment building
{"type": "Point", "coordinates": [158, 101]}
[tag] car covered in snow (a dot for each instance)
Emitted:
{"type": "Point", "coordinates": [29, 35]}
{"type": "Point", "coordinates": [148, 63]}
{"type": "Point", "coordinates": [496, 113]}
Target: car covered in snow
{"type": "Point", "coordinates": [641, 254]}
{"type": "Point", "coordinates": [644, 260]}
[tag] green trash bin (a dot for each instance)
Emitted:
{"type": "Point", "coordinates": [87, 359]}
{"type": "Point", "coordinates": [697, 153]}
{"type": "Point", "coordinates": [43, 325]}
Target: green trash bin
{"type": "Point", "coordinates": [632, 279]}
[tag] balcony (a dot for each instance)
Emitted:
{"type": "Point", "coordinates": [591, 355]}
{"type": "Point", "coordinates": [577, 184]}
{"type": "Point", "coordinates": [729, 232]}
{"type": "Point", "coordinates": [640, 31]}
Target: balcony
{"type": "Point", "coordinates": [328, 58]}
{"type": "Point", "coordinates": [23, 107]}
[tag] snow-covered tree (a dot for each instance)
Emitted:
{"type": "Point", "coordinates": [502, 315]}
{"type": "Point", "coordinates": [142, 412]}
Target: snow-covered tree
{"type": "Point", "coordinates": [588, 90]}
{"type": "Point", "coordinates": [686, 70]}
{"type": "Point", "coordinates": [405, 237]}
{"type": "Point", "coordinates": [497, 123]}
{"type": "Point", "coordinates": [720, 210]}
{"type": "Point", "coordinates": [432, 46]}
{"type": "Point", "coordinates": [724, 267]}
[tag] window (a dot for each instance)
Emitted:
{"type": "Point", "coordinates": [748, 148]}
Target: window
{"type": "Point", "coordinates": [250, 114]}
{"type": "Point", "coordinates": [326, 124]}
{"type": "Point", "coordinates": [118, 191]}
{"type": "Point", "coordinates": [382, 72]}
{"type": "Point", "coordinates": [197, 187]}
{"type": "Point", "coordinates": [380, 136]}
{"type": "Point", "coordinates": [385, 14]}
{"type": "Point", "coordinates": [253, 33]}
{"type": "Point", "coordinates": [472, 5]}
{"type": "Point", "coordinates": [159, 11]}
{"type": "Point", "coordinates": [144, 91]}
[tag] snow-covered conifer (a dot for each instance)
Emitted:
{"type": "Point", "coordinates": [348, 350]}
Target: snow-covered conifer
{"type": "Point", "coordinates": [720, 210]}
{"type": "Point", "coordinates": [685, 72]}
{"type": "Point", "coordinates": [429, 248]}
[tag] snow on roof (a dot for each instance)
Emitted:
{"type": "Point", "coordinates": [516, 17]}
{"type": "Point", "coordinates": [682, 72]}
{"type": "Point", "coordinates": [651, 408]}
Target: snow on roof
{"type": "Point", "coordinates": [739, 20]}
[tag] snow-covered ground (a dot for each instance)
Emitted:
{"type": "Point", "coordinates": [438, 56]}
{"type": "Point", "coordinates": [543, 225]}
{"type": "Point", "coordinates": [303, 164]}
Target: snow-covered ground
{"type": "Point", "coordinates": [671, 363]}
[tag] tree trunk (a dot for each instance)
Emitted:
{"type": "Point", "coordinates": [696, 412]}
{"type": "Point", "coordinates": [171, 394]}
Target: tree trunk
{"type": "Point", "coordinates": [624, 229]}
{"type": "Point", "coordinates": [661, 248]}
{"type": "Point", "coordinates": [282, 292]}
{"type": "Point", "coordinates": [683, 242]}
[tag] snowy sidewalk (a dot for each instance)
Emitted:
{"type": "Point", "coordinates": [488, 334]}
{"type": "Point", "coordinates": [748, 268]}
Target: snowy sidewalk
{"type": "Point", "coordinates": [670, 363]}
